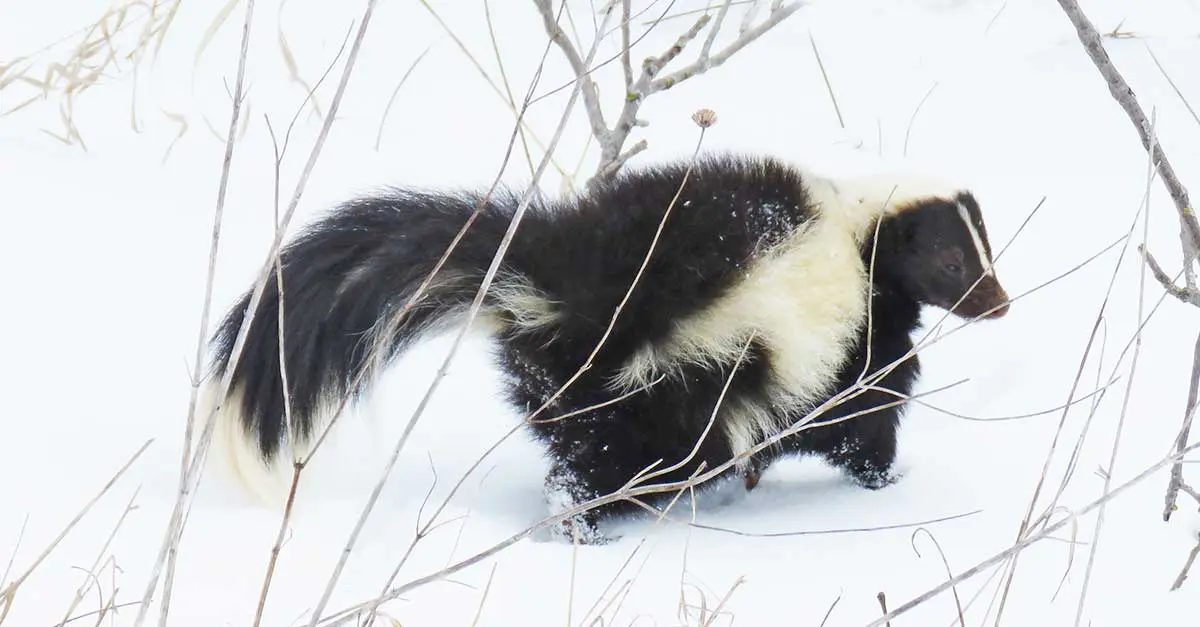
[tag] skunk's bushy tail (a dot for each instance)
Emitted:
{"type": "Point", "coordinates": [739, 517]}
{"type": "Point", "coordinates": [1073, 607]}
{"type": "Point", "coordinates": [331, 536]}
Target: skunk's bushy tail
{"type": "Point", "coordinates": [345, 279]}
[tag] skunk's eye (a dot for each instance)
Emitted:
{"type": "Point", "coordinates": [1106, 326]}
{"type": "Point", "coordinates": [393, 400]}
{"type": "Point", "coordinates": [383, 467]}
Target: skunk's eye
{"type": "Point", "coordinates": [953, 268]}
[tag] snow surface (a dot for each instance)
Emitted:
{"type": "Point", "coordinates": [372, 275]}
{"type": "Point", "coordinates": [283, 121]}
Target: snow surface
{"type": "Point", "coordinates": [104, 254]}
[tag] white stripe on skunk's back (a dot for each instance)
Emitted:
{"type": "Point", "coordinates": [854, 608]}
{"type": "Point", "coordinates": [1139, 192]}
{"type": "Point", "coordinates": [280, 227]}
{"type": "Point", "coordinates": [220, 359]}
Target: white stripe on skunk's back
{"type": "Point", "coordinates": [805, 301]}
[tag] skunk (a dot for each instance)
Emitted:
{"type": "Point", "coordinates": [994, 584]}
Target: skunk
{"type": "Point", "coordinates": [762, 290]}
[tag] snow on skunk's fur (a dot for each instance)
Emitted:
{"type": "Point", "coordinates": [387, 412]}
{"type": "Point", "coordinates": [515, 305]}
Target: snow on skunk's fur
{"type": "Point", "coordinates": [755, 256]}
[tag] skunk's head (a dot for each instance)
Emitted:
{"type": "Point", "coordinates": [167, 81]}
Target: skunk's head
{"type": "Point", "coordinates": [937, 249]}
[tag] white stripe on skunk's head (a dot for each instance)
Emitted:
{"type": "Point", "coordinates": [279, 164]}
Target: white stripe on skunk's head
{"type": "Point", "coordinates": [938, 248]}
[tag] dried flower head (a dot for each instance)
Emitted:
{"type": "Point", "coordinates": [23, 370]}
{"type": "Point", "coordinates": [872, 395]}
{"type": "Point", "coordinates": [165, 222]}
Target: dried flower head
{"type": "Point", "coordinates": [704, 118]}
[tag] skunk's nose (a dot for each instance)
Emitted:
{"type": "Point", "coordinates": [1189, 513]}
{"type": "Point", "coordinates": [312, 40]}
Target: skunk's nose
{"type": "Point", "coordinates": [999, 311]}
{"type": "Point", "coordinates": [999, 296]}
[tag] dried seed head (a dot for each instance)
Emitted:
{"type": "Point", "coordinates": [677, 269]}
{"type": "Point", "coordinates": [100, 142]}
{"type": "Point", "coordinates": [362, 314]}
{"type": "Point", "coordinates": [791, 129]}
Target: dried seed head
{"type": "Point", "coordinates": [704, 118]}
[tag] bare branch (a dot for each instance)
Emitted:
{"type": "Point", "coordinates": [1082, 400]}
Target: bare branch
{"type": "Point", "coordinates": [626, 63]}
{"type": "Point", "coordinates": [1187, 566]}
{"type": "Point", "coordinates": [591, 94]}
{"type": "Point", "coordinates": [747, 36]}
{"type": "Point", "coordinates": [612, 141]}
{"type": "Point", "coordinates": [1189, 414]}
{"type": "Point", "coordinates": [1189, 227]}
{"type": "Point", "coordinates": [1192, 297]}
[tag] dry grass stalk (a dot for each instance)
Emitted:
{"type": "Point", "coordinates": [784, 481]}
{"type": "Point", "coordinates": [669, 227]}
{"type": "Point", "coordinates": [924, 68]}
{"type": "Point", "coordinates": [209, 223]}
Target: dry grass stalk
{"type": "Point", "coordinates": [613, 153]}
{"type": "Point", "coordinates": [8, 593]}
{"type": "Point", "coordinates": [472, 314]}
{"type": "Point", "coordinates": [1187, 566]}
{"type": "Point", "coordinates": [1189, 231]}
{"type": "Point", "coordinates": [97, 51]}
{"type": "Point", "coordinates": [175, 526]}
{"type": "Point", "coordinates": [1141, 303]}
{"type": "Point", "coordinates": [825, 76]}
{"type": "Point", "coordinates": [632, 489]}
{"type": "Point", "coordinates": [945, 563]}
{"type": "Point", "coordinates": [192, 473]}
{"type": "Point", "coordinates": [396, 92]}
{"type": "Point", "coordinates": [1031, 539]}
{"type": "Point", "coordinates": [1121, 92]}
{"type": "Point", "coordinates": [1029, 522]}
{"type": "Point", "coordinates": [508, 93]}
{"type": "Point", "coordinates": [525, 130]}
{"type": "Point", "coordinates": [96, 565]}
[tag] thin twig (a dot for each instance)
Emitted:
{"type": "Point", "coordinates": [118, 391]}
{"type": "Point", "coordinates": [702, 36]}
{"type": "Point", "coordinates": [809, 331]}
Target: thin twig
{"type": "Point", "coordinates": [1187, 566]}
{"type": "Point", "coordinates": [508, 93]}
{"type": "Point", "coordinates": [175, 527]}
{"type": "Point", "coordinates": [612, 141]}
{"type": "Point", "coordinates": [836, 531]}
{"type": "Point", "coordinates": [825, 77]}
{"type": "Point", "coordinates": [1028, 521]}
{"type": "Point", "coordinates": [829, 612]}
{"type": "Point", "coordinates": [525, 130]}
{"type": "Point", "coordinates": [1141, 304]}
{"type": "Point", "coordinates": [16, 547]}
{"type": "Point", "coordinates": [1176, 484]}
{"type": "Point", "coordinates": [483, 597]}
{"type": "Point", "coordinates": [1121, 92]}
{"type": "Point", "coordinates": [946, 563]}
{"type": "Point", "coordinates": [9, 592]}
{"type": "Point", "coordinates": [472, 314]}
{"type": "Point", "coordinates": [630, 492]}
{"type": "Point", "coordinates": [395, 92]}
{"type": "Point", "coordinates": [1028, 540]}
{"type": "Point", "coordinates": [96, 565]}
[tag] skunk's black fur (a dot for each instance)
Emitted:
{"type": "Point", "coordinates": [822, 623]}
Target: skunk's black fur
{"type": "Point", "coordinates": [570, 265]}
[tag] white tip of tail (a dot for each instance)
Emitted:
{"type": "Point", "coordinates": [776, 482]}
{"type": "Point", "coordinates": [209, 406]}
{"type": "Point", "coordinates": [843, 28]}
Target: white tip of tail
{"type": "Point", "coordinates": [233, 453]}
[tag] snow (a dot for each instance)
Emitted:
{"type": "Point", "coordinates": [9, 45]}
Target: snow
{"type": "Point", "coordinates": [104, 254]}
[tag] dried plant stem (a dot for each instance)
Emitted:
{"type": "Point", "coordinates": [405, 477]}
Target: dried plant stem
{"type": "Point", "coordinates": [1030, 539]}
{"type": "Point", "coordinates": [473, 312]}
{"type": "Point", "coordinates": [1187, 566]}
{"type": "Point", "coordinates": [825, 76]}
{"type": "Point", "coordinates": [613, 153]}
{"type": "Point", "coordinates": [946, 563]}
{"type": "Point", "coordinates": [8, 594]}
{"type": "Point", "coordinates": [1189, 227]}
{"type": "Point", "coordinates": [175, 526]}
{"type": "Point", "coordinates": [1028, 522]}
{"type": "Point", "coordinates": [525, 131]}
{"type": "Point", "coordinates": [629, 492]}
{"type": "Point", "coordinates": [1177, 483]}
{"type": "Point", "coordinates": [193, 473]}
{"type": "Point", "coordinates": [83, 588]}
{"type": "Point", "coordinates": [632, 491]}
{"type": "Point", "coordinates": [830, 532]}
{"type": "Point", "coordinates": [396, 92]}
{"type": "Point", "coordinates": [278, 546]}
{"type": "Point", "coordinates": [1108, 472]}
